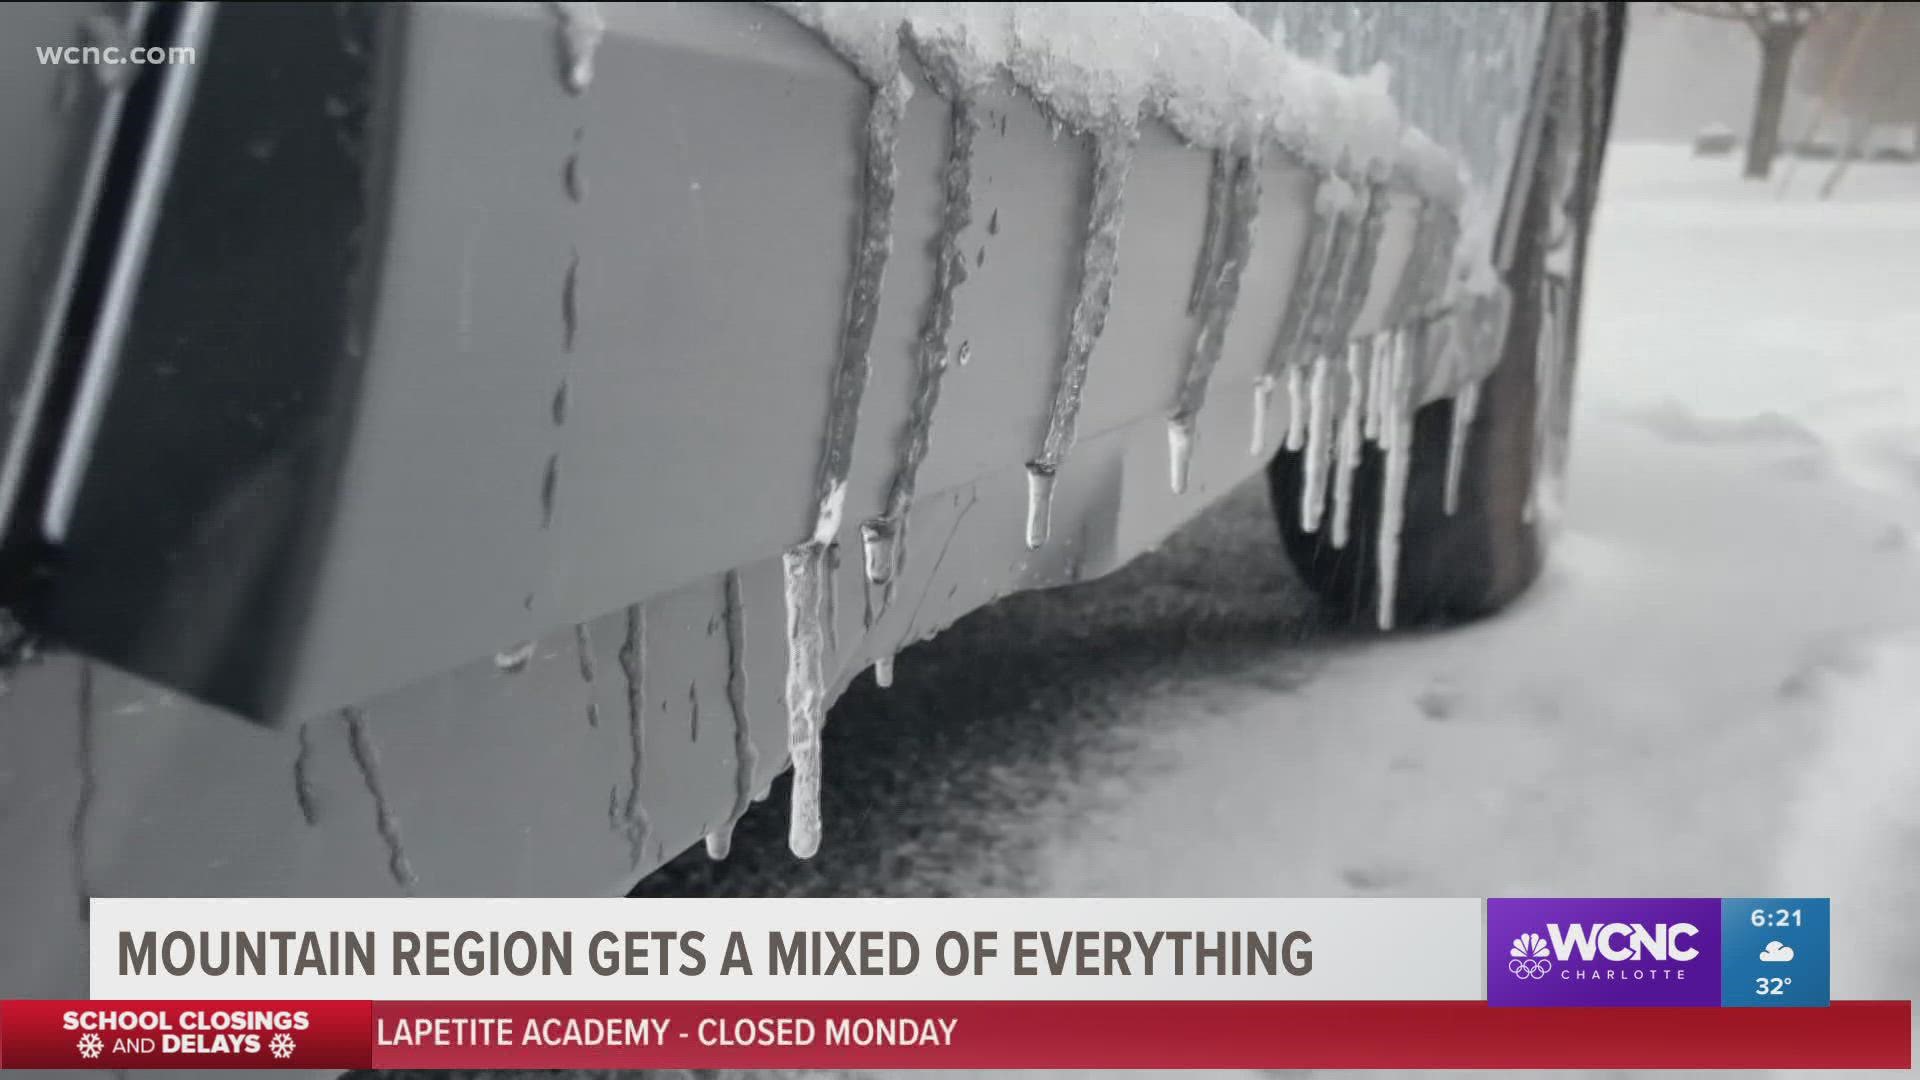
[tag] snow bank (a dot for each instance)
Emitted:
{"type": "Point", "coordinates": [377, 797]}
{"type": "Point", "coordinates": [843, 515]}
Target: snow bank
{"type": "Point", "coordinates": [1199, 67]}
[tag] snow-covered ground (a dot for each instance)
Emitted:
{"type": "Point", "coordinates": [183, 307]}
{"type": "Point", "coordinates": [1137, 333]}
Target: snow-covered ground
{"type": "Point", "coordinates": [1715, 689]}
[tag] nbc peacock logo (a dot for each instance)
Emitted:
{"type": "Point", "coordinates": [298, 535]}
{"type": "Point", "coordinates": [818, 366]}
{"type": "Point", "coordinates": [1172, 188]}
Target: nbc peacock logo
{"type": "Point", "coordinates": [1529, 957]}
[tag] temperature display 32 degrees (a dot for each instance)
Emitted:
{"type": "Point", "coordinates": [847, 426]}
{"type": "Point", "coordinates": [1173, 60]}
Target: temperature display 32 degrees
{"type": "Point", "coordinates": [1776, 951]}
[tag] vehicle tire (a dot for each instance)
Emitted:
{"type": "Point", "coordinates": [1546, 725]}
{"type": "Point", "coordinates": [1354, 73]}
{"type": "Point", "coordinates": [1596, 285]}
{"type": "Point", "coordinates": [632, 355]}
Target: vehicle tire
{"type": "Point", "coordinates": [1455, 566]}
{"type": "Point", "coordinates": [1460, 566]}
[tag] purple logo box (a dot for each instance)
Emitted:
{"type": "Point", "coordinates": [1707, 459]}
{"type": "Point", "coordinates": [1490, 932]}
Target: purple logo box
{"type": "Point", "coordinates": [1603, 952]}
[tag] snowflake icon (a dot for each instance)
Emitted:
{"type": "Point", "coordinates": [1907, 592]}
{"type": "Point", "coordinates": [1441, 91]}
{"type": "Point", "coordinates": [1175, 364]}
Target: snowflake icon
{"type": "Point", "coordinates": [281, 1045]}
{"type": "Point", "coordinates": [89, 1045]}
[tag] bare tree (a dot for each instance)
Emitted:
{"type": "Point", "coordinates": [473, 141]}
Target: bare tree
{"type": "Point", "coordinates": [1778, 26]}
{"type": "Point", "coordinates": [1860, 60]}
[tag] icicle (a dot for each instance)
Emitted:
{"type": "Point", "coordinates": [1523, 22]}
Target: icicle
{"type": "Point", "coordinates": [1262, 406]}
{"type": "Point", "coordinates": [1465, 403]}
{"type": "Point", "coordinates": [573, 175]}
{"type": "Point", "coordinates": [583, 654]}
{"type": "Point", "coordinates": [806, 692]}
{"type": "Point", "coordinates": [1113, 150]}
{"type": "Point", "coordinates": [804, 566]}
{"type": "Point", "coordinates": [1219, 179]}
{"type": "Point", "coordinates": [1397, 441]}
{"type": "Point", "coordinates": [581, 28]}
{"type": "Point", "coordinates": [1436, 282]}
{"type": "Point", "coordinates": [1039, 504]}
{"type": "Point", "coordinates": [1296, 409]}
{"type": "Point", "coordinates": [1313, 489]}
{"type": "Point", "coordinates": [366, 758]}
{"type": "Point", "coordinates": [1293, 342]}
{"type": "Point", "coordinates": [1416, 272]}
{"type": "Point", "coordinates": [877, 549]}
{"type": "Point", "coordinates": [830, 601]}
{"type": "Point", "coordinates": [1232, 208]}
{"type": "Point", "coordinates": [889, 101]}
{"type": "Point", "coordinates": [885, 539]}
{"type": "Point", "coordinates": [1377, 381]}
{"type": "Point", "coordinates": [1353, 281]}
{"type": "Point", "coordinates": [1359, 356]}
{"type": "Point", "coordinates": [1368, 373]}
{"type": "Point", "coordinates": [1546, 393]}
{"type": "Point", "coordinates": [883, 672]}
{"type": "Point", "coordinates": [632, 819]}
{"type": "Point", "coordinates": [746, 759]}
{"type": "Point", "coordinates": [1179, 452]}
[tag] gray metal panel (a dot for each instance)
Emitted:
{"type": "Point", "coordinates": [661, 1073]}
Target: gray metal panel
{"type": "Point", "coordinates": [461, 358]}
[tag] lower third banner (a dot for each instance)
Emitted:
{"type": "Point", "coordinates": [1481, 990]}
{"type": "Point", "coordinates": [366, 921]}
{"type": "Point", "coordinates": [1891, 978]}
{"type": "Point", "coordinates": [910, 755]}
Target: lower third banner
{"type": "Point", "coordinates": [966, 1034]}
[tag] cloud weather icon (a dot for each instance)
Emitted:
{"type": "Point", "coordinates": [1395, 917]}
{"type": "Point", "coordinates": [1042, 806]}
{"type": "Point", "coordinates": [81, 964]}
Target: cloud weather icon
{"type": "Point", "coordinates": [1529, 954]}
{"type": "Point", "coordinates": [1776, 953]}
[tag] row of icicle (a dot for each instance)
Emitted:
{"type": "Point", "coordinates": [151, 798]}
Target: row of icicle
{"type": "Point", "coordinates": [1340, 391]}
{"type": "Point", "coordinates": [1372, 395]}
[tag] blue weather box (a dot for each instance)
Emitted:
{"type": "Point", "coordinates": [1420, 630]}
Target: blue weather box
{"type": "Point", "coordinates": [1776, 951]}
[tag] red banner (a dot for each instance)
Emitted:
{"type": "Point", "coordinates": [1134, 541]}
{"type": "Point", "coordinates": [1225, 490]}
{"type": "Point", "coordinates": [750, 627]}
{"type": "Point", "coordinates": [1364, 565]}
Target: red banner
{"type": "Point", "coordinates": [971, 1034]}
{"type": "Point", "coordinates": [185, 1034]}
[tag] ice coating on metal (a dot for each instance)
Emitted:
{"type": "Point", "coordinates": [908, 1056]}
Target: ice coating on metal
{"type": "Point", "coordinates": [1233, 209]}
{"type": "Point", "coordinates": [1099, 263]}
{"type": "Point", "coordinates": [1318, 254]}
{"type": "Point", "coordinates": [581, 28]}
{"type": "Point", "coordinates": [1097, 69]}
{"type": "Point", "coordinates": [746, 759]}
{"type": "Point", "coordinates": [805, 564]}
{"type": "Point", "coordinates": [885, 540]}
{"type": "Point", "coordinates": [1208, 73]}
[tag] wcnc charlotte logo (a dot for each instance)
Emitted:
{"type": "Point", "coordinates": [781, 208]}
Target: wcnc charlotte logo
{"type": "Point", "coordinates": [1614, 941]}
{"type": "Point", "coordinates": [1603, 952]}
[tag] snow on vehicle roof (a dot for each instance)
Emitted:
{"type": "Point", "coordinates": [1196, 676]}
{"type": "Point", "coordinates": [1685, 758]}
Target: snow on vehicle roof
{"type": "Point", "coordinates": [1198, 66]}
